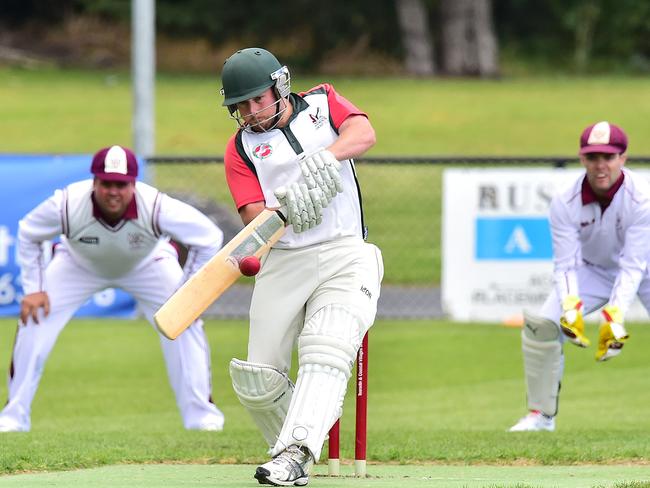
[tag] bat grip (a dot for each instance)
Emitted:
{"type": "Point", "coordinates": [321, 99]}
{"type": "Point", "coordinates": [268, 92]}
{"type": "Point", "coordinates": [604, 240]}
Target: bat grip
{"type": "Point", "coordinates": [282, 211]}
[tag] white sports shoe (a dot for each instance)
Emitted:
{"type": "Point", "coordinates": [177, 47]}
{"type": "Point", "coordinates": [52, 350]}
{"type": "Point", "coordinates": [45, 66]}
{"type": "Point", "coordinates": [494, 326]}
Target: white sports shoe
{"type": "Point", "coordinates": [533, 422]}
{"type": "Point", "coordinates": [289, 468]}
{"type": "Point", "coordinates": [210, 424]}
{"type": "Point", "coordinates": [9, 425]}
{"type": "Point", "coordinates": [211, 427]}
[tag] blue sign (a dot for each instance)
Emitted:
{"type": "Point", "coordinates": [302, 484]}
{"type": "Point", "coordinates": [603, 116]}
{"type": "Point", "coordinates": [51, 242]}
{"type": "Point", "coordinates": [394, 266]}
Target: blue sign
{"type": "Point", "coordinates": [513, 238]}
{"type": "Point", "coordinates": [25, 181]}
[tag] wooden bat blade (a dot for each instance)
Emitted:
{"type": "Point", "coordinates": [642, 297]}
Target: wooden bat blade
{"type": "Point", "coordinates": [218, 274]}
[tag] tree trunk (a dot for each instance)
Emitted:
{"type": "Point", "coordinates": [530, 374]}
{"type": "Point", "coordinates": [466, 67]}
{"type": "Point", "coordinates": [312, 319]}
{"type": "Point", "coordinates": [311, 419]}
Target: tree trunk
{"type": "Point", "coordinates": [416, 36]}
{"type": "Point", "coordinates": [587, 15]}
{"type": "Point", "coordinates": [468, 42]}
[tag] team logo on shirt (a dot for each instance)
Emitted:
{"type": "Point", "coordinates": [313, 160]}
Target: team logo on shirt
{"type": "Point", "coordinates": [317, 119]}
{"type": "Point", "coordinates": [136, 241]}
{"type": "Point", "coordinates": [262, 151]}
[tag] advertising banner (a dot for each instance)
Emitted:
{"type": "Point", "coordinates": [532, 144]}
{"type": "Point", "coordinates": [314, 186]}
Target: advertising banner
{"type": "Point", "coordinates": [496, 242]}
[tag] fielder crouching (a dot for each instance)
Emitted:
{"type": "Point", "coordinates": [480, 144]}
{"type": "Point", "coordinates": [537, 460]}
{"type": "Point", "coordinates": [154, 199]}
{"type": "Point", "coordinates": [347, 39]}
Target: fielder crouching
{"type": "Point", "coordinates": [114, 233]}
{"type": "Point", "coordinates": [600, 226]}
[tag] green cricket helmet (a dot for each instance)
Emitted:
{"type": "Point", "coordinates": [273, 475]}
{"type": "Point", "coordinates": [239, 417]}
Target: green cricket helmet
{"type": "Point", "coordinates": [249, 72]}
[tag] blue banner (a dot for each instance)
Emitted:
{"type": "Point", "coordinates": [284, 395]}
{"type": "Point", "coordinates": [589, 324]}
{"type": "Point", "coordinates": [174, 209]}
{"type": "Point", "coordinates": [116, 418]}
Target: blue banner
{"type": "Point", "coordinates": [25, 181]}
{"type": "Point", "coordinates": [513, 238]}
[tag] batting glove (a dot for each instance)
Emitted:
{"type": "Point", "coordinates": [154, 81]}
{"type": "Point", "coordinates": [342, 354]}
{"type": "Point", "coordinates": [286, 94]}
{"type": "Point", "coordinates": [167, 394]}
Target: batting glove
{"type": "Point", "coordinates": [612, 335]}
{"type": "Point", "coordinates": [571, 321]}
{"type": "Point", "coordinates": [320, 169]}
{"type": "Point", "coordinates": [304, 206]}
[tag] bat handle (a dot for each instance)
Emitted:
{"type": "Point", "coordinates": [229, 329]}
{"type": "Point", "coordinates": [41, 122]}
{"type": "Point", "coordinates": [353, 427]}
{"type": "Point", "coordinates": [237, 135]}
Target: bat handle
{"type": "Point", "coordinates": [282, 212]}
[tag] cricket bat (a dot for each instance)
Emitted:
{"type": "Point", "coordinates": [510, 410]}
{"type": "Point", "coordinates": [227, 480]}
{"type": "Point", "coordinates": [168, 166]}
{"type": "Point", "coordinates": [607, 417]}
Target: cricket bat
{"type": "Point", "coordinates": [218, 274]}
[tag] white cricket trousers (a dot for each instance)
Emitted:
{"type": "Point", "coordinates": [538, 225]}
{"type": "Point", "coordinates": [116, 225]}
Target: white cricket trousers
{"type": "Point", "coordinates": [151, 283]}
{"type": "Point", "coordinates": [595, 287]}
{"type": "Point", "coordinates": [294, 284]}
{"type": "Point", "coordinates": [324, 297]}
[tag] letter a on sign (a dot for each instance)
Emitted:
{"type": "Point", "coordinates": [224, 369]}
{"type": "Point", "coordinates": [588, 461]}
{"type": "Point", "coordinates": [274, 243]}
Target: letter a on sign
{"type": "Point", "coordinates": [513, 238]}
{"type": "Point", "coordinates": [518, 241]}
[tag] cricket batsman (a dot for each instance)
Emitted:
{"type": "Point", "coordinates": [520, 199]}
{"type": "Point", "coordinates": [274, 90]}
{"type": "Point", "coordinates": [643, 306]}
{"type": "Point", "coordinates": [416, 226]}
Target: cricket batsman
{"type": "Point", "coordinates": [318, 286]}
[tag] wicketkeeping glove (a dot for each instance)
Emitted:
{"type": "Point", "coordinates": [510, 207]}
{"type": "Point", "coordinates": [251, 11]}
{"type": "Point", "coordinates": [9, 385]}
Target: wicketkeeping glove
{"type": "Point", "coordinates": [571, 321]}
{"type": "Point", "coordinates": [304, 206]}
{"type": "Point", "coordinates": [612, 336]}
{"type": "Point", "coordinates": [320, 169]}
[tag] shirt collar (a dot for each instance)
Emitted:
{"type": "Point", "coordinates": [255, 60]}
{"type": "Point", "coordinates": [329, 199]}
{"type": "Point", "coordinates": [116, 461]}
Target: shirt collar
{"type": "Point", "coordinates": [299, 104]}
{"type": "Point", "coordinates": [131, 212]}
{"type": "Point", "coordinates": [588, 195]}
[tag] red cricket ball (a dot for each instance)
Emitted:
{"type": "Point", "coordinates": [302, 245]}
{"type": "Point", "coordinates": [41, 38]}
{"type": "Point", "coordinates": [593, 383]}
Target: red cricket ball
{"type": "Point", "coordinates": [249, 266]}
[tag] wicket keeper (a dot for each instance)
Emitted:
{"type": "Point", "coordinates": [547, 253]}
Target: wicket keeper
{"type": "Point", "coordinates": [600, 226]}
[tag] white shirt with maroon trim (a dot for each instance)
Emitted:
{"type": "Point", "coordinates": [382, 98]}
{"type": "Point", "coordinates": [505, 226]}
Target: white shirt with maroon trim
{"type": "Point", "coordinates": [257, 164]}
{"type": "Point", "coordinates": [616, 240]}
{"type": "Point", "coordinates": [111, 251]}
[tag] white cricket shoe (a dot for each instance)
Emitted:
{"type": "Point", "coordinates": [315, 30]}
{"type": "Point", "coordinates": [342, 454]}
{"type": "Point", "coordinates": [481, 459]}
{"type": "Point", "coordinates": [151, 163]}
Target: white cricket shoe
{"type": "Point", "coordinates": [289, 468]}
{"type": "Point", "coordinates": [210, 424]}
{"type": "Point", "coordinates": [533, 422]}
{"type": "Point", "coordinates": [7, 424]}
{"type": "Point", "coordinates": [211, 427]}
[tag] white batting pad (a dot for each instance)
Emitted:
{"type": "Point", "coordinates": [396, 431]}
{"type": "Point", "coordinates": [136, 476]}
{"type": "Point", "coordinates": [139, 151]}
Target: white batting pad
{"type": "Point", "coordinates": [265, 392]}
{"type": "Point", "coordinates": [543, 366]}
{"type": "Point", "coordinates": [327, 350]}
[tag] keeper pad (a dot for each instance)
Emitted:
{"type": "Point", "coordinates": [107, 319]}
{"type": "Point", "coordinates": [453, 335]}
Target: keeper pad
{"type": "Point", "coordinates": [540, 329]}
{"type": "Point", "coordinates": [543, 363]}
{"type": "Point", "coordinates": [327, 350]}
{"type": "Point", "coordinates": [265, 392]}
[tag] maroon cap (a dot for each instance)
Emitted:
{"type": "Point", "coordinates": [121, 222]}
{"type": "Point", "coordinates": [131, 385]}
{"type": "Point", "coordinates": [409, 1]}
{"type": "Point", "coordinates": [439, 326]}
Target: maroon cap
{"type": "Point", "coordinates": [603, 137]}
{"type": "Point", "coordinates": [115, 163]}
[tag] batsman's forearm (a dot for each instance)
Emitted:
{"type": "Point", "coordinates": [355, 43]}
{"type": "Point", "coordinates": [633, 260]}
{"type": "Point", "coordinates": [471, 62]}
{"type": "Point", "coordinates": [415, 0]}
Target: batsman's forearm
{"type": "Point", "coordinates": [356, 136]}
{"type": "Point", "coordinates": [248, 212]}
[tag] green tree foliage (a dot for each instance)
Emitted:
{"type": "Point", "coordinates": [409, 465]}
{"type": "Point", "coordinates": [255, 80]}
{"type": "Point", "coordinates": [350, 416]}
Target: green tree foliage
{"type": "Point", "coordinates": [584, 34]}
{"type": "Point", "coordinates": [321, 28]}
{"type": "Point", "coordinates": [580, 35]}
{"type": "Point", "coordinates": [20, 12]}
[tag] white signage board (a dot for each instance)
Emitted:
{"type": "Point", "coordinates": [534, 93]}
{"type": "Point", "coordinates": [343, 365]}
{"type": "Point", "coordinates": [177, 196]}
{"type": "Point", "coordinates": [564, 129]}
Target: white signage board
{"type": "Point", "coordinates": [496, 242]}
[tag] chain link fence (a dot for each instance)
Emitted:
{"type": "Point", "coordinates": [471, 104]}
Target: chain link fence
{"type": "Point", "coordinates": [402, 204]}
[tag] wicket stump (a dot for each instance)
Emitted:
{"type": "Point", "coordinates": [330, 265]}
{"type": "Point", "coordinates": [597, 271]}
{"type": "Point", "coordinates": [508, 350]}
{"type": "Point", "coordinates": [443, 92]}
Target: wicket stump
{"type": "Point", "coordinates": [333, 461]}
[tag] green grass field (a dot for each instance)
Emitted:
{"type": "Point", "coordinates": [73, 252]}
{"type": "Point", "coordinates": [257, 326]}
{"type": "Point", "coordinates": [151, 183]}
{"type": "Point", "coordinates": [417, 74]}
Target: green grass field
{"type": "Point", "coordinates": [441, 396]}
{"type": "Point", "coordinates": [76, 111]}
{"type": "Point", "coordinates": [239, 476]}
